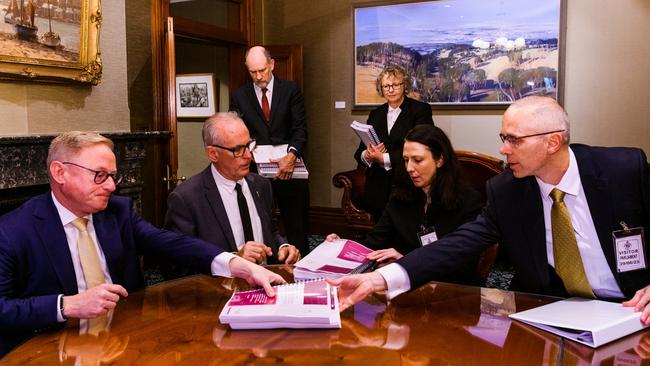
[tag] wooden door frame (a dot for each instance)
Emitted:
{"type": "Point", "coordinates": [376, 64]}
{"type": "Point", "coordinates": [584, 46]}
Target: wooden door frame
{"type": "Point", "coordinates": [163, 30]}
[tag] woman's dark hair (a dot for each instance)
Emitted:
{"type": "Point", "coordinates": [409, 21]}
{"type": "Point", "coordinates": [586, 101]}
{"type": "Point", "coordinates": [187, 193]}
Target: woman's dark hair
{"type": "Point", "coordinates": [447, 184]}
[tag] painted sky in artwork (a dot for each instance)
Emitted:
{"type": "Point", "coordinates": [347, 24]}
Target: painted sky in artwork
{"type": "Point", "coordinates": [457, 21]}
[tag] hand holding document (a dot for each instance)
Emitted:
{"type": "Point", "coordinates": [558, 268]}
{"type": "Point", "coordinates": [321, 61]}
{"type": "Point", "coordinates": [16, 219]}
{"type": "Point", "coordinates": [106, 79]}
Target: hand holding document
{"type": "Point", "coordinates": [590, 322]}
{"type": "Point", "coordinates": [264, 154]}
{"type": "Point", "coordinates": [366, 133]}
{"type": "Point", "coordinates": [334, 259]}
{"type": "Point", "coordinates": [309, 304]}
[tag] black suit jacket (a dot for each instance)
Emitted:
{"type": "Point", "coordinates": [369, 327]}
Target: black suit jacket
{"type": "Point", "coordinates": [288, 119]}
{"type": "Point", "coordinates": [616, 182]}
{"type": "Point", "coordinates": [379, 180]}
{"type": "Point", "coordinates": [195, 208]}
{"type": "Point", "coordinates": [403, 219]}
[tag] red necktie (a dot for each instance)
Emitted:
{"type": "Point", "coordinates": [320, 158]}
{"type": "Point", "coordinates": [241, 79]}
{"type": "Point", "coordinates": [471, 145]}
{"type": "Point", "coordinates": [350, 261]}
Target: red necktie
{"type": "Point", "coordinates": [265, 106]}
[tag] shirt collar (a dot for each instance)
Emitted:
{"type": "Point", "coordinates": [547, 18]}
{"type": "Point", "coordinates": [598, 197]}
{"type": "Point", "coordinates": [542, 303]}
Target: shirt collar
{"type": "Point", "coordinates": [66, 215]}
{"type": "Point", "coordinates": [269, 86]}
{"type": "Point", "coordinates": [570, 182]}
{"type": "Point", "coordinates": [224, 182]}
{"type": "Point", "coordinates": [393, 110]}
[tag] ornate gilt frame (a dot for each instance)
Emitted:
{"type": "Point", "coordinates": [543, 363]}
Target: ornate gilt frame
{"type": "Point", "coordinates": [88, 68]}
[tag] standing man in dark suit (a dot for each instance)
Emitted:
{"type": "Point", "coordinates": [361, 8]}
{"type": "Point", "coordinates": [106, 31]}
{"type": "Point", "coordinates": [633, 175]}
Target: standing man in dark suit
{"type": "Point", "coordinates": [274, 112]}
{"type": "Point", "coordinates": [208, 205]}
{"type": "Point", "coordinates": [73, 252]}
{"type": "Point", "coordinates": [555, 212]}
{"type": "Point", "coordinates": [391, 121]}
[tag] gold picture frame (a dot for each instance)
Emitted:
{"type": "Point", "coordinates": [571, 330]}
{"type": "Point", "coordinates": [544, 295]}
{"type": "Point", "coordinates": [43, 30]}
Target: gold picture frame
{"type": "Point", "coordinates": [50, 41]}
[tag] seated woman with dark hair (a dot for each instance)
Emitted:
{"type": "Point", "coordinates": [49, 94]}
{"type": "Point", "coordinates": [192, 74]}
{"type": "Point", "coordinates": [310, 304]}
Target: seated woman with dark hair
{"type": "Point", "coordinates": [429, 205]}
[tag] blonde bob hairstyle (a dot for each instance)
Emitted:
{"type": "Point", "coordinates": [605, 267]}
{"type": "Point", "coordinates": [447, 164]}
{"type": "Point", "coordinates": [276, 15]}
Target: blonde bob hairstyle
{"type": "Point", "coordinates": [396, 72]}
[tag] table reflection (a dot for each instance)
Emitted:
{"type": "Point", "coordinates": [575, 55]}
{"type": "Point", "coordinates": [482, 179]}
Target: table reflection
{"type": "Point", "coordinates": [177, 322]}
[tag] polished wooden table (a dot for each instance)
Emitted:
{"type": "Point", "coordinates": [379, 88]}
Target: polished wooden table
{"type": "Point", "coordinates": [176, 322]}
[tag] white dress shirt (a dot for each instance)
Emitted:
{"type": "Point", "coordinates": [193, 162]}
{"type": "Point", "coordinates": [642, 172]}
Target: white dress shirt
{"type": "Point", "coordinates": [229, 198]}
{"type": "Point", "coordinates": [599, 275]}
{"type": "Point", "coordinates": [219, 265]}
{"type": "Point", "coordinates": [391, 117]}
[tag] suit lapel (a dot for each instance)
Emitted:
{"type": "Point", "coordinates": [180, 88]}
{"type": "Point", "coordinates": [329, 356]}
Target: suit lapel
{"type": "Point", "coordinates": [381, 126]}
{"type": "Point", "coordinates": [55, 244]}
{"type": "Point", "coordinates": [530, 203]}
{"type": "Point", "coordinates": [278, 94]}
{"type": "Point", "coordinates": [108, 235]}
{"type": "Point", "coordinates": [259, 206]}
{"type": "Point", "coordinates": [218, 210]}
{"type": "Point", "coordinates": [600, 202]}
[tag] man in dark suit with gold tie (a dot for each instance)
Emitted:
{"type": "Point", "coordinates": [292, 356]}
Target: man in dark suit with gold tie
{"type": "Point", "coordinates": [561, 214]}
{"type": "Point", "coordinates": [274, 112]}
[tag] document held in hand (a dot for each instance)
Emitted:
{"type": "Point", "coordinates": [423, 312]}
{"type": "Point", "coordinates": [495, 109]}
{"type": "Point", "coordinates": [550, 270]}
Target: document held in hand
{"type": "Point", "coordinates": [309, 304]}
{"type": "Point", "coordinates": [263, 155]}
{"type": "Point", "coordinates": [590, 322]}
{"type": "Point", "coordinates": [333, 259]}
{"type": "Point", "coordinates": [366, 133]}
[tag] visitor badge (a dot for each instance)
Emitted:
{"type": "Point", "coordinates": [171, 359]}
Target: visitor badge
{"type": "Point", "coordinates": [427, 235]}
{"type": "Point", "coordinates": [630, 249]}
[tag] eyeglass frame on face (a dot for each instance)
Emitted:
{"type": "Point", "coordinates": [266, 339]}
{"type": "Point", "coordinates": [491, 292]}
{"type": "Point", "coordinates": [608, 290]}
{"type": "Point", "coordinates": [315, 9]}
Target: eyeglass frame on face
{"type": "Point", "coordinates": [388, 87]}
{"type": "Point", "coordinates": [100, 175]}
{"type": "Point", "coordinates": [239, 150]}
{"type": "Point", "coordinates": [516, 140]}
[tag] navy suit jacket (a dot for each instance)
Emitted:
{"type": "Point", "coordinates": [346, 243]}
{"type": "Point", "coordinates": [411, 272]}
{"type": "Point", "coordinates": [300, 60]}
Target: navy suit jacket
{"type": "Point", "coordinates": [288, 123]}
{"type": "Point", "coordinates": [195, 208]}
{"type": "Point", "coordinates": [36, 265]}
{"type": "Point", "coordinates": [616, 182]}
{"type": "Point", "coordinates": [378, 180]}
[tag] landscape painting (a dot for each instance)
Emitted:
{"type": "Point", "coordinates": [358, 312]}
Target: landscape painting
{"type": "Point", "coordinates": [460, 52]}
{"type": "Point", "coordinates": [50, 39]}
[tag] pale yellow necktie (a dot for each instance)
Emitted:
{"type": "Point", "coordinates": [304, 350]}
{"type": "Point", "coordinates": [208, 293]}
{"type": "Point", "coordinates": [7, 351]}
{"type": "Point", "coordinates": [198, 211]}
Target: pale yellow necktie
{"type": "Point", "coordinates": [92, 269]}
{"type": "Point", "coordinates": [568, 263]}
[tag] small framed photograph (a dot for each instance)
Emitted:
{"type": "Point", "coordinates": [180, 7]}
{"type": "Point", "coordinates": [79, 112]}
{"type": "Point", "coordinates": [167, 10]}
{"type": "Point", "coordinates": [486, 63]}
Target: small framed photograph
{"type": "Point", "coordinates": [195, 95]}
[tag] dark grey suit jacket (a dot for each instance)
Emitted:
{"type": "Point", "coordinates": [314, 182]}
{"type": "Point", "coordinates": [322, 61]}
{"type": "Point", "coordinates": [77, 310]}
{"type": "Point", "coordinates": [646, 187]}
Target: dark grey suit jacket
{"type": "Point", "coordinates": [195, 208]}
{"type": "Point", "coordinates": [617, 187]}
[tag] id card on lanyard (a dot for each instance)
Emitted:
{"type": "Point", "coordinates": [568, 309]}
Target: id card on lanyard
{"type": "Point", "coordinates": [427, 235]}
{"type": "Point", "coordinates": [629, 247]}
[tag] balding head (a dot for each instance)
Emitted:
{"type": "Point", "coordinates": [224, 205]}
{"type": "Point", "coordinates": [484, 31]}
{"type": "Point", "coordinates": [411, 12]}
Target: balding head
{"type": "Point", "coordinates": [227, 145]}
{"type": "Point", "coordinates": [260, 65]}
{"type": "Point", "coordinates": [219, 126]}
{"type": "Point", "coordinates": [538, 114]}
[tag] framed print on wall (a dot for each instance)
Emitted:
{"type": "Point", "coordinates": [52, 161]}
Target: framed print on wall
{"type": "Point", "coordinates": [461, 53]}
{"type": "Point", "coordinates": [50, 40]}
{"type": "Point", "coordinates": [195, 95]}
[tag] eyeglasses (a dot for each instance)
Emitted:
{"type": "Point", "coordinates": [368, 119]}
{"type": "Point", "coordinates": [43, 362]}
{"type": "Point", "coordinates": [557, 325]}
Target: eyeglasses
{"type": "Point", "coordinates": [392, 86]}
{"type": "Point", "coordinates": [239, 150]}
{"type": "Point", "coordinates": [100, 175]}
{"type": "Point", "coordinates": [516, 140]}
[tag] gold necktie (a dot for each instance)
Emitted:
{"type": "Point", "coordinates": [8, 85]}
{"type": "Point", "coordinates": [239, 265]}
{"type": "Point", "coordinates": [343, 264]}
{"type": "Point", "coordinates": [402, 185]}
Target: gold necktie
{"type": "Point", "coordinates": [568, 263]}
{"type": "Point", "coordinates": [92, 269]}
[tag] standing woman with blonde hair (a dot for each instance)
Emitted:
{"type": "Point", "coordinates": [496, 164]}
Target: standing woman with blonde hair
{"type": "Point", "coordinates": [392, 120]}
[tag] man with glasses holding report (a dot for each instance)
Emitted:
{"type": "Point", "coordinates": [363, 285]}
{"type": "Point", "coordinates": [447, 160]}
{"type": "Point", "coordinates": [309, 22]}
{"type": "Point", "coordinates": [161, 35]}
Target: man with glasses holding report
{"type": "Point", "coordinates": [226, 204]}
{"type": "Point", "coordinates": [571, 219]}
{"type": "Point", "coordinates": [73, 252]}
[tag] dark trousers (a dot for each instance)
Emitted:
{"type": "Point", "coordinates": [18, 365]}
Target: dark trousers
{"type": "Point", "coordinates": [292, 198]}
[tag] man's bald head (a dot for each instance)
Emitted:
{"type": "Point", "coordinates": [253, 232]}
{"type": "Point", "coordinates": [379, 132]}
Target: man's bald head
{"type": "Point", "coordinates": [260, 66]}
{"type": "Point", "coordinates": [540, 114]}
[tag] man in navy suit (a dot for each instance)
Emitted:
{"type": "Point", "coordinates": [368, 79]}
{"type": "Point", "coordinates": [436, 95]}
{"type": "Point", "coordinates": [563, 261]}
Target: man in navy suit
{"type": "Point", "coordinates": [603, 187]}
{"type": "Point", "coordinates": [274, 112]}
{"type": "Point", "coordinates": [207, 207]}
{"type": "Point", "coordinates": [46, 259]}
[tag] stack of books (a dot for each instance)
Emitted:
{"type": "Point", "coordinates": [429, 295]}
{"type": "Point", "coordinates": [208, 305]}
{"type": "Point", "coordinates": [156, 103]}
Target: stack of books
{"type": "Point", "coordinates": [263, 155]}
{"type": "Point", "coordinates": [309, 304]}
{"type": "Point", "coordinates": [366, 133]}
{"type": "Point", "coordinates": [334, 259]}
